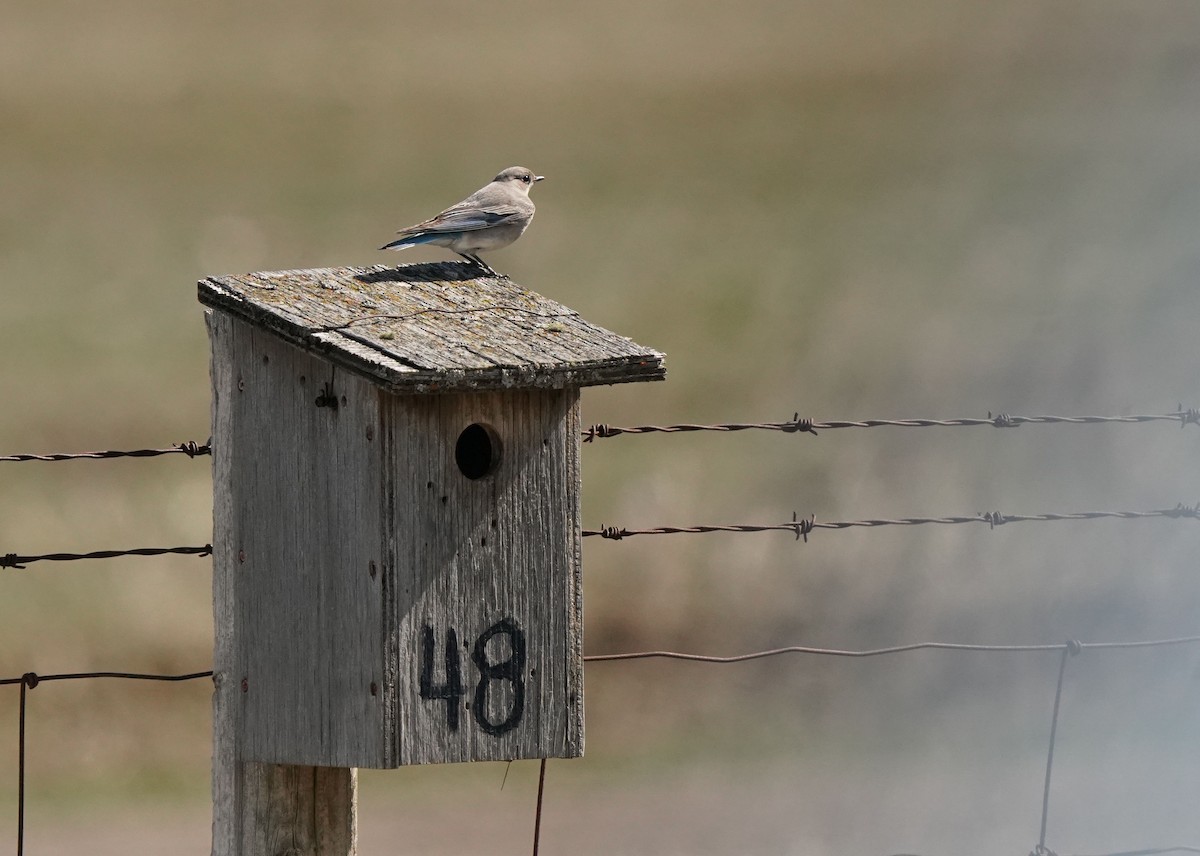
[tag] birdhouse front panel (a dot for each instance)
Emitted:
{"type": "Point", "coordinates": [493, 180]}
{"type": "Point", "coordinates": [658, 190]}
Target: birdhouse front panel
{"type": "Point", "coordinates": [483, 576]}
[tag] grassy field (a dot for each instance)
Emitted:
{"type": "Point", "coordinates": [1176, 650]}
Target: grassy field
{"type": "Point", "coordinates": [850, 210]}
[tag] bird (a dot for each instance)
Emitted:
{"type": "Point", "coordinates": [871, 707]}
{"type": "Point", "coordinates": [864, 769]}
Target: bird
{"type": "Point", "coordinates": [492, 217]}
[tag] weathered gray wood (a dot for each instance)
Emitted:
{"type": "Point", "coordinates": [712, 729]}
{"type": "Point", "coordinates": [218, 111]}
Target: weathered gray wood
{"type": "Point", "coordinates": [471, 554]}
{"type": "Point", "coordinates": [432, 328]}
{"type": "Point", "coordinates": [397, 575]}
{"type": "Point", "coordinates": [307, 530]}
{"type": "Point", "coordinates": [354, 537]}
{"type": "Point", "coordinates": [257, 808]}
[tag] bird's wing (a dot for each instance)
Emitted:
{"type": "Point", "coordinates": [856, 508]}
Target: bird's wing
{"type": "Point", "coordinates": [462, 218]}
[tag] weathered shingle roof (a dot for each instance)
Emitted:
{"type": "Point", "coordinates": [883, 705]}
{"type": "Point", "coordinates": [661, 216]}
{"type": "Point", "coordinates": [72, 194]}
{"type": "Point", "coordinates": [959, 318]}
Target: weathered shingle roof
{"type": "Point", "coordinates": [432, 327]}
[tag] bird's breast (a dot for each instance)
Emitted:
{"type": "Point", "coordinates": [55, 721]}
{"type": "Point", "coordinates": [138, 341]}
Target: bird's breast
{"type": "Point", "coordinates": [482, 240]}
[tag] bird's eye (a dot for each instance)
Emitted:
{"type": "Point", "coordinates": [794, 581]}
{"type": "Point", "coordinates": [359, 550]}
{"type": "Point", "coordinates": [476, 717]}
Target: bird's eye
{"type": "Point", "coordinates": [526, 178]}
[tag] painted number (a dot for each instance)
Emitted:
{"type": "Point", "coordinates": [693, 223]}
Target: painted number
{"type": "Point", "coordinates": [451, 691]}
{"type": "Point", "coordinates": [510, 669]}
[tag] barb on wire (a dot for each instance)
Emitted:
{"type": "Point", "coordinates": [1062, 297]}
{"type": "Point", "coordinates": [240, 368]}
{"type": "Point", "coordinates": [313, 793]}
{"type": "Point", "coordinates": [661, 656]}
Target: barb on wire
{"type": "Point", "coordinates": [190, 448]}
{"type": "Point", "coordinates": [13, 560]}
{"type": "Point", "coordinates": [802, 527]}
{"type": "Point", "coordinates": [894, 649]}
{"type": "Point", "coordinates": [796, 425]}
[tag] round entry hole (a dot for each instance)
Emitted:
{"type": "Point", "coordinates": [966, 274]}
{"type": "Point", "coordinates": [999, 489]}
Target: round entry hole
{"type": "Point", "coordinates": [477, 451]}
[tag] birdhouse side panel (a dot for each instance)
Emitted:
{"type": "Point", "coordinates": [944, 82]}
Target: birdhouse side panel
{"type": "Point", "coordinates": [483, 501]}
{"type": "Point", "coordinates": [302, 545]}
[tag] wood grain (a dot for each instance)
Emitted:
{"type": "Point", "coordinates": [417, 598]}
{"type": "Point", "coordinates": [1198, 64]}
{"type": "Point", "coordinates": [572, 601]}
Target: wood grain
{"type": "Point", "coordinates": [470, 554]}
{"type": "Point", "coordinates": [380, 597]}
{"type": "Point", "coordinates": [432, 327]}
{"type": "Point", "coordinates": [347, 534]}
{"type": "Point", "coordinates": [257, 808]}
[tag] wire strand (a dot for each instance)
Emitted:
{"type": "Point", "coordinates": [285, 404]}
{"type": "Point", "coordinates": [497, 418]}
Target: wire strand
{"type": "Point", "coordinates": [32, 679]}
{"type": "Point", "coordinates": [894, 649]}
{"type": "Point", "coordinates": [13, 560]}
{"type": "Point", "coordinates": [1154, 851]}
{"type": "Point", "coordinates": [1069, 649]}
{"type": "Point", "coordinates": [190, 448]}
{"type": "Point", "coordinates": [25, 685]}
{"type": "Point", "coordinates": [28, 682]}
{"type": "Point", "coordinates": [797, 425]}
{"type": "Point", "coordinates": [802, 527]}
{"type": "Point", "coordinates": [537, 817]}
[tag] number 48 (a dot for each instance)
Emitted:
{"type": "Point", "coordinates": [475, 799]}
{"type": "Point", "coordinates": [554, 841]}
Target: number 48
{"type": "Point", "coordinates": [511, 669]}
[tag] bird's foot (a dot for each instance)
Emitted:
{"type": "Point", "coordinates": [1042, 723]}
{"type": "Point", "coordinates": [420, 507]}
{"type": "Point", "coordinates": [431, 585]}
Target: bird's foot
{"type": "Point", "coordinates": [483, 266]}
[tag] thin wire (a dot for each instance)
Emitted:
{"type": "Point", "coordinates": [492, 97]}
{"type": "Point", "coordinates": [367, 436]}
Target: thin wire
{"type": "Point", "coordinates": [1154, 643]}
{"type": "Point", "coordinates": [1069, 649]}
{"type": "Point", "coordinates": [1152, 851]}
{"type": "Point", "coordinates": [1155, 851]}
{"type": "Point", "coordinates": [801, 527]}
{"type": "Point", "coordinates": [76, 676]}
{"type": "Point", "coordinates": [190, 448]}
{"type": "Point", "coordinates": [13, 560]}
{"type": "Point", "coordinates": [537, 817]}
{"type": "Point", "coordinates": [807, 426]}
{"type": "Point", "coordinates": [1179, 848]}
{"type": "Point", "coordinates": [895, 649]}
{"type": "Point", "coordinates": [27, 681]}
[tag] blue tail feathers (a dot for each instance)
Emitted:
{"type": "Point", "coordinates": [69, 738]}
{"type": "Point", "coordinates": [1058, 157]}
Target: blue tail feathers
{"type": "Point", "coordinates": [413, 240]}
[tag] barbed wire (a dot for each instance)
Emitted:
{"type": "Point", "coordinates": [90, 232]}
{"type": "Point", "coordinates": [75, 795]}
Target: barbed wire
{"type": "Point", "coordinates": [797, 425]}
{"type": "Point", "coordinates": [13, 560]}
{"type": "Point", "coordinates": [802, 527]}
{"type": "Point", "coordinates": [190, 448]}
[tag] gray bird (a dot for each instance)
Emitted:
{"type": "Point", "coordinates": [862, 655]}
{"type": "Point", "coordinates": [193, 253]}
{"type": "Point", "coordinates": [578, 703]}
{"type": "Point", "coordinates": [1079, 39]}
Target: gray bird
{"type": "Point", "coordinates": [492, 217]}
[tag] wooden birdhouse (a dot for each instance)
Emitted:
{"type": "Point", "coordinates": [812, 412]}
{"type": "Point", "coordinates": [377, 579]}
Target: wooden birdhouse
{"type": "Point", "coordinates": [397, 533]}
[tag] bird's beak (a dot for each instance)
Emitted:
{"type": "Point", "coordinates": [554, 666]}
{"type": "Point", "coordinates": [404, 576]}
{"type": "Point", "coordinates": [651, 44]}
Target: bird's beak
{"type": "Point", "coordinates": [539, 178]}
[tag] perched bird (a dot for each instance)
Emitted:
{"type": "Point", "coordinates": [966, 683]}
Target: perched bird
{"type": "Point", "coordinates": [492, 217]}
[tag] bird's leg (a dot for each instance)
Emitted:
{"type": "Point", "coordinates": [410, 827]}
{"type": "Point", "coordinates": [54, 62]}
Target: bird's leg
{"type": "Point", "coordinates": [482, 265]}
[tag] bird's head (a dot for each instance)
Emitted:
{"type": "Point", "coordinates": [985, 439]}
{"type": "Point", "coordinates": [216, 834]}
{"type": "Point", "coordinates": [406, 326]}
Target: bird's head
{"type": "Point", "coordinates": [518, 177]}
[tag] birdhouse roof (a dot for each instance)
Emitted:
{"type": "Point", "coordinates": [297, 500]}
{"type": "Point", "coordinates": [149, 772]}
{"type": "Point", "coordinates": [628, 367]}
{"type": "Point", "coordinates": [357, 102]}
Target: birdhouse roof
{"type": "Point", "coordinates": [432, 327]}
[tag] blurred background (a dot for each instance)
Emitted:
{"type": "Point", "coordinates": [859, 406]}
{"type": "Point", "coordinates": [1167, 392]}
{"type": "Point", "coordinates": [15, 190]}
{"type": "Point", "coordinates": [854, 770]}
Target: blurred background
{"type": "Point", "coordinates": [851, 210]}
